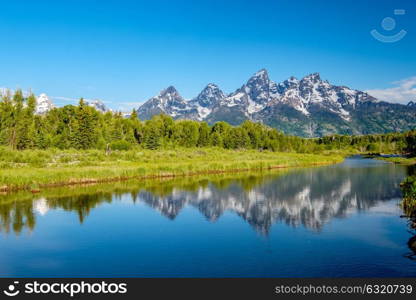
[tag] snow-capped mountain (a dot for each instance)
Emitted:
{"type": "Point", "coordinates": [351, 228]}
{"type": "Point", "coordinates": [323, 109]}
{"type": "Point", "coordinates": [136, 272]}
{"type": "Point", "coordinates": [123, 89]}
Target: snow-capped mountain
{"type": "Point", "coordinates": [254, 95]}
{"type": "Point", "coordinates": [206, 100]}
{"type": "Point", "coordinates": [308, 107]}
{"type": "Point", "coordinates": [246, 101]}
{"type": "Point", "coordinates": [411, 104]}
{"type": "Point", "coordinates": [98, 105]}
{"type": "Point", "coordinates": [43, 104]}
{"type": "Point", "coordinates": [168, 101]}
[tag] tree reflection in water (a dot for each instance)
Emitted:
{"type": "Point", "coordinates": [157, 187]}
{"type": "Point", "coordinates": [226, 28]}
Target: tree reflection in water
{"type": "Point", "coordinates": [411, 172]}
{"type": "Point", "coordinates": [303, 197]}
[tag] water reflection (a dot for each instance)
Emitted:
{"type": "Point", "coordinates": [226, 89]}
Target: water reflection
{"type": "Point", "coordinates": [411, 171]}
{"type": "Point", "coordinates": [304, 197]}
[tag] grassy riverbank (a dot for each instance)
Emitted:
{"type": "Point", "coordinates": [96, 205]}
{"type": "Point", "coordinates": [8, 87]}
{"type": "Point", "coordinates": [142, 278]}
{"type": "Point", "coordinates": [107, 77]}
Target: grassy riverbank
{"type": "Point", "coordinates": [408, 186]}
{"type": "Point", "coordinates": [35, 169]}
{"type": "Point", "coordinates": [409, 196]}
{"type": "Point", "coordinates": [399, 160]}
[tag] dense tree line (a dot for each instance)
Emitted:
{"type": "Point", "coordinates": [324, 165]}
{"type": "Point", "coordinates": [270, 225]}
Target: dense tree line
{"type": "Point", "coordinates": [83, 127]}
{"type": "Point", "coordinates": [376, 143]}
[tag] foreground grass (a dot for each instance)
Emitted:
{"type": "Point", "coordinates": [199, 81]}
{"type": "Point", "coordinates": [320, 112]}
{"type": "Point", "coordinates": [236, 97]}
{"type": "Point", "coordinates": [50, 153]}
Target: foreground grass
{"type": "Point", "coordinates": [34, 169]}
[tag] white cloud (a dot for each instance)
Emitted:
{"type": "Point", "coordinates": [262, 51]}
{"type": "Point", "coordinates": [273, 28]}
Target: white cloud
{"type": "Point", "coordinates": [402, 92]}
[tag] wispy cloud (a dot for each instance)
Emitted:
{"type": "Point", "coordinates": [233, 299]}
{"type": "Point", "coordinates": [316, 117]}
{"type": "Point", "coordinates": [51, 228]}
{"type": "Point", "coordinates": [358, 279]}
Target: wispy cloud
{"type": "Point", "coordinates": [403, 91]}
{"type": "Point", "coordinates": [65, 99]}
{"type": "Point", "coordinates": [128, 106]}
{"type": "Point", "coordinates": [72, 100]}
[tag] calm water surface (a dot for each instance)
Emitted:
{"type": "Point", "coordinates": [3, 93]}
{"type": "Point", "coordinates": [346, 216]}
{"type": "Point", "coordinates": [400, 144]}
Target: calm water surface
{"type": "Point", "coordinates": [335, 221]}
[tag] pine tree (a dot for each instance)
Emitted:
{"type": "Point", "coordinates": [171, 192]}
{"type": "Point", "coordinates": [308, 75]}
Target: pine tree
{"type": "Point", "coordinates": [25, 128]}
{"type": "Point", "coordinates": [84, 135]}
{"type": "Point", "coordinates": [204, 135]}
{"type": "Point", "coordinates": [152, 136]}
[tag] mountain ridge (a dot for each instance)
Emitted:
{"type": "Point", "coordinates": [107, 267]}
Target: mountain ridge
{"type": "Point", "coordinates": [307, 107]}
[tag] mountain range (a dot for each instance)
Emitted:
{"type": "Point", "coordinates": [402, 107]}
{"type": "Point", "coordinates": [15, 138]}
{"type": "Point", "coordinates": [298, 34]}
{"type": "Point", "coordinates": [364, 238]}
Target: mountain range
{"type": "Point", "coordinates": [306, 107]}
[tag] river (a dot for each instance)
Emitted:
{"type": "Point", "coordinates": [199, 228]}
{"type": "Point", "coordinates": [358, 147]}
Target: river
{"type": "Point", "coordinates": [334, 221]}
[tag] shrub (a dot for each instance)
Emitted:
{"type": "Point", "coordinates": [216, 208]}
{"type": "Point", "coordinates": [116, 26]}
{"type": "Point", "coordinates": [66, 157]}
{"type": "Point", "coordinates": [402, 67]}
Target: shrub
{"type": "Point", "coordinates": [120, 145]}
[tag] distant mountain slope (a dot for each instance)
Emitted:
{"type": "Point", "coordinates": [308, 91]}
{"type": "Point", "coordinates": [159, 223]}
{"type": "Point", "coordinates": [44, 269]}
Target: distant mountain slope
{"type": "Point", "coordinates": [306, 107]}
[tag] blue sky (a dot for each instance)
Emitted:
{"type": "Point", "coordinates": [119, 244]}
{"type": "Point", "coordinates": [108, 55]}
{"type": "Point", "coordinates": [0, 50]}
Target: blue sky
{"type": "Point", "coordinates": [124, 52]}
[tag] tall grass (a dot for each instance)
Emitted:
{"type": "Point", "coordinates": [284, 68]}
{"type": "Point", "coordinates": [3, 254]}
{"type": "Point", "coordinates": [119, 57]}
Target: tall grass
{"type": "Point", "coordinates": [33, 169]}
{"type": "Point", "coordinates": [409, 196]}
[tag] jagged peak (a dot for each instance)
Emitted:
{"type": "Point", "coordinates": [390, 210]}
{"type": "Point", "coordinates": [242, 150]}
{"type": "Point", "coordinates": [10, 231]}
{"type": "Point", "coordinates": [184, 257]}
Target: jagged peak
{"type": "Point", "coordinates": [258, 81]}
{"type": "Point", "coordinates": [43, 98]}
{"type": "Point", "coordinates": [212, 86]}
{"type": "Point", "coordinates": [94, 101]}
{"type": "Point", "coordinates": [97, 104]}
{"type": "Point", "coordinates": [261, 74]}
{"type": "Point", "coordinates": [43, 104]}
{"type": "Point", "coordinates": [292, 79]}
{"type": "Point", "coordinates": [169, 90]}
{"type": "Point", "coordinates": [411, 103]}
{"type": "Point", "coordinates": [209, 95]}
{"type": "Point", "coordinates": [313, 77]}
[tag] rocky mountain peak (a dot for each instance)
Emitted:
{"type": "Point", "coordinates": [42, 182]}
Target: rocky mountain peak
{"type": "Point", "coordinates": [171, 90]}
{"type": "Point", "coordinates": [43, 104]}
{"type": "Point", "coordinates": [261, 75]}
{"type": "Point", "coordinates": [98, 105]}
{"type": "Point", "coordinates": [210, 95]}
{"type": "Point", "coordinates": [259, 81]}
{"type": "Point", "coordinates": [309, 106]}
{"type": "Point", "coordinates": [314, 78]}
{"type": "Point", "coordinates": [168, 101]}
{"type": "Point", "coordinates": [292, 82]}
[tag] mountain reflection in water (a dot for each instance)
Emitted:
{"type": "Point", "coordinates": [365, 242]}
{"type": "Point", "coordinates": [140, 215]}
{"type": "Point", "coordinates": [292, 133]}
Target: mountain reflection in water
{"type": "Point", "coordinates": [302, 197]}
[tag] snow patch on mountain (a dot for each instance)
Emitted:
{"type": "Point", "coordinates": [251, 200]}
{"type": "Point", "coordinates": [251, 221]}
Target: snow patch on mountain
{"type": "Point", "coordinates": [43, 104]}
{"type": "Point", "coordinates": [98, 105]}
{"type": "Point", "coordinates": [258, 93]}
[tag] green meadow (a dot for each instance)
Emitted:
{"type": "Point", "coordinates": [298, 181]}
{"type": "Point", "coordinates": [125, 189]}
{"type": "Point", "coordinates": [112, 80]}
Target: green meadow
{"type": "Point", "coordinates": [35, 169]}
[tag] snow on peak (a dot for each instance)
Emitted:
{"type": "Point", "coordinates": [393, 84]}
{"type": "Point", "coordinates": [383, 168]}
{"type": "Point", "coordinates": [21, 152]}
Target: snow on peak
{"type": "Point", "coordinates": [168, 101]}
{"type": "Point", "coordinates": [261, 73]}
{"type": "Point", "coordinates": [210, 95]}
{"type": "Point", "coordinates": [314, 77]}
{"type": "Point", "coordinates": [255, 94]}
{"type": "Point", "coordinates": [171, 90]}
{"type": "Point", "coordinates": [260, 78]}
{"type": "Point", "coordinates": [293, 79]}
{"type": "Point", "coordinates": [43, 104]}
{"type": "Point", "coordinates": [306, 95]}
{"type": "Point", "coordinates": [98, 105]}
{"type": "Point", "coordinates": [212, 86]}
